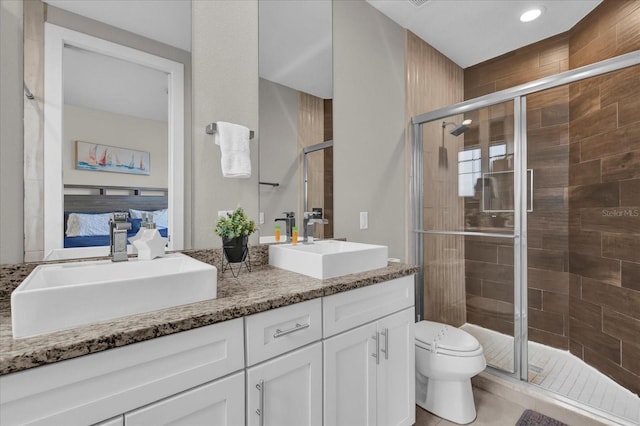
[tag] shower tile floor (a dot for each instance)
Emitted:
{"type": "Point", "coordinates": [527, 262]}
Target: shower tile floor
{"type": "Point", "coordinates": [562, 373]}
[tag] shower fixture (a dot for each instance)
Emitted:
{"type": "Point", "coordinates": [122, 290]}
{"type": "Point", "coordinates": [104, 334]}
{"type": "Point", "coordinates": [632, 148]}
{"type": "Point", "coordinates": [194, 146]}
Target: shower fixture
{"type": "Point", "coordinates": [443, 158]}
{"type": "Point", "coordinates": [459, 129]}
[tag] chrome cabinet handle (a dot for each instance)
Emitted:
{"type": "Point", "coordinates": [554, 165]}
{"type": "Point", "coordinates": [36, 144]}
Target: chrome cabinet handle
{"type": "Point", "coordinates": [260, 410]}
{"type": "Point", "coordinates": [385, 333]}
{"type": "Point", "coordinates": [298, 327]}
{"type": "Point", "coordinates": [376, 355]}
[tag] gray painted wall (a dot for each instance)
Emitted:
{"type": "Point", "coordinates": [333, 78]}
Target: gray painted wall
{"type": "Point", "coordinates": [368, 126]}
{"type": "Point", "coordinates": [225, 88]}
{"type": "Point", "coordinates": [11, 144]}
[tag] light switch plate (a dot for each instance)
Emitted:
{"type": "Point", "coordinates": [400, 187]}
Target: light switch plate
{"type": "Point", "coordinates": [261, 218]}
{"type": "Point", "coordinates": [364, 220]}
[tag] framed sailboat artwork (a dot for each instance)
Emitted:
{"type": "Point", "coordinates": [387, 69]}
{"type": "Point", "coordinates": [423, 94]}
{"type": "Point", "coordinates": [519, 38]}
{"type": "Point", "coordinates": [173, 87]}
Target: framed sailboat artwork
{"type": "Point", "coordinates": [105, 158]}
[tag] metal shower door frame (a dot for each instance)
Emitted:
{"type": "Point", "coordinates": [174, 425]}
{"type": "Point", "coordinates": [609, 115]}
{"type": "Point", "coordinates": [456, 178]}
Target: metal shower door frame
{"type": "Point", "coordinates": [518, 95]}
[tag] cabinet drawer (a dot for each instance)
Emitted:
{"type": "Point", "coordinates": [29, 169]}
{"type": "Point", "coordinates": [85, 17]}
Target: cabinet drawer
{"type": "Point", "coordinates": [344, 311]}
{"type": "Point", "coordinates": [277, 331]}
{"type": "Point", "coordinates": [102, 385]}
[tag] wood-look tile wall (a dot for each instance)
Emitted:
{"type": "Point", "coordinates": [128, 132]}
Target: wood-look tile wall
{"type": "Point", "coordinates": [311, 129]}
{"type": "Point", "coordinates": [328, 169]}
{"type": "Point", "coordinates": [315, 125]}
{"type": "Point", "coordinates": [584, 233]}
{"type": "Point", "coordinates": [604, 197]}
{"type": "Point", "coordinates": [434, 81]}
{"type": "Point", "coordinates": [489, 262]}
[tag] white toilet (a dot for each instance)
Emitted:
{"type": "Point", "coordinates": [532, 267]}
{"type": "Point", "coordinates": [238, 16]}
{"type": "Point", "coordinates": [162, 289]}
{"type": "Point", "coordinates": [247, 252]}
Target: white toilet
{"type": "Point", "coordinates": [446, 359]}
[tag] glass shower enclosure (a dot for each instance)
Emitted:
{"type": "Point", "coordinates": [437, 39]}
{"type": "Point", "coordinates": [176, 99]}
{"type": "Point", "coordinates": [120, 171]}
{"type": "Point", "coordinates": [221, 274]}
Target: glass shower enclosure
{"type": "Point", "coordinates": [503, 201]}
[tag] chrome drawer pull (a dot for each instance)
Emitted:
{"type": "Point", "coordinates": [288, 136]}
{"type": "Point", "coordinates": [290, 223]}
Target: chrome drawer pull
{"type": "Point", "coordinates": [376, 355]}
{"type": "Point", "coordinates": [385, 333]}
{"type": "Point", "coordinates": [298, 327]}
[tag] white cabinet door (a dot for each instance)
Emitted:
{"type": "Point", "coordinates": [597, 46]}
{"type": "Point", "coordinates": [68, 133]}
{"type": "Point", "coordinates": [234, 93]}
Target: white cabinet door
{"type": "Point", "coordinates": [369, 374]}
{"type": "Point", "coordinates": [217, 403]}
{"type": "Point", "coordinates": [350, 378]}
{"type": "Point", "coordinates": [287, 390]}
{"type": "Point", "coordinates": [396, 371]}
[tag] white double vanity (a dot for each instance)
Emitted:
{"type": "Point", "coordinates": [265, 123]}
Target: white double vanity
{"type": "Point", "coordinates": [280, 349]}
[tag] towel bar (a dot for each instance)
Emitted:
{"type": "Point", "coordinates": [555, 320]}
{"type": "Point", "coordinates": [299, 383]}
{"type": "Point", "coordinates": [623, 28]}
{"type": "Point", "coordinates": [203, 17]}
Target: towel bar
{"type": "Point", "coordinates": [213, 128]}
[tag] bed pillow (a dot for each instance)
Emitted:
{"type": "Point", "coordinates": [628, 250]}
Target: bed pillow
{"type": "Point", "coordinates": [87, 225]}
{"type": "Point", "coordinates": [135, 226]}
{"type": "Point", "coordinates": [160, 217]}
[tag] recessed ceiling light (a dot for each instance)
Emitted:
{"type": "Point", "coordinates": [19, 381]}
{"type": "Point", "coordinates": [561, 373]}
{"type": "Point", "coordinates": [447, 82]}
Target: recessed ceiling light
{"type": "Point", "coordinates": [531, 14]}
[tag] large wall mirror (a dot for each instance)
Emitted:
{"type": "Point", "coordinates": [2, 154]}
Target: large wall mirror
{"type": "Point", "coordinates": [91, 121]}
{"type": "Point", "coordinates": [114, 121]}
{"type": "Point", "coordinates": [296, 91]}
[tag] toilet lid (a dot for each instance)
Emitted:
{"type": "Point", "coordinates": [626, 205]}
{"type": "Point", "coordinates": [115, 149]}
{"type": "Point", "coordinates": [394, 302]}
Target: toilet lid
{"type": "Point", "coordinates": [446, 337]}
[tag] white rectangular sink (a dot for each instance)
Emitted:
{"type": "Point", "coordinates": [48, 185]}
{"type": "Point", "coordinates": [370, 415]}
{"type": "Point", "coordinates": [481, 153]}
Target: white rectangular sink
{"type": "Point", "coordinates": [66, 295]}
{"type": "Point", "coordinates": [328, 259]}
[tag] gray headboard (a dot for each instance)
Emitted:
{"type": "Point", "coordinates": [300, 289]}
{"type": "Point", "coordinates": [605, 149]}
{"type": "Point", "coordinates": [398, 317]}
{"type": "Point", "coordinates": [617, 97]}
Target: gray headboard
{"type": "Point", "coordinates": [96, 199]}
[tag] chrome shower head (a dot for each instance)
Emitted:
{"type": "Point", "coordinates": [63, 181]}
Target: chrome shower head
{"type": "Point", "coordinates": [459, 129]}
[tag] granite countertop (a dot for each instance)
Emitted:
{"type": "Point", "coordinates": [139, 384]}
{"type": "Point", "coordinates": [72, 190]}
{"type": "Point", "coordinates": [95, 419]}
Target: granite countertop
{"type": "Point", "coordinates": [262, 289]}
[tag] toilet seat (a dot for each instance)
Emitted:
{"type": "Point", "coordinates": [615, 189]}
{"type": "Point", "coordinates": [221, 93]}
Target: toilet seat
{"type": "Point", "coordinates": [446, 340]}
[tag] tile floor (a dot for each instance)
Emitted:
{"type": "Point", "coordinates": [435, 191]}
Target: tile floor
{"type": "Point", "coordinates": [562, 373]}
{"type": "Point", "coordinates": [491, 410]}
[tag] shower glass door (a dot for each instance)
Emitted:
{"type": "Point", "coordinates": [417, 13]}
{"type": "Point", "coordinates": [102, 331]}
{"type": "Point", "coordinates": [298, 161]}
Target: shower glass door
{"type": "Point", "coordinates": [526, 221]}
{"type": "Point", "coordinates": [468, 222]}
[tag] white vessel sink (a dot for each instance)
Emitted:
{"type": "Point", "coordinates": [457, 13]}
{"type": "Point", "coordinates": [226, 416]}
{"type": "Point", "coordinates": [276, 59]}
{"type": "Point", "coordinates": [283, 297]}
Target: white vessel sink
{"type": "Point", "coordinates": [66, 295]}
{"type": "Point", "coordinates": [328, 259]}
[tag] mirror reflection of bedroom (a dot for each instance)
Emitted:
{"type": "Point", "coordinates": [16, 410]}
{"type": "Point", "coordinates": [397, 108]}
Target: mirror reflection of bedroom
{"type": "Point", "coordinates": [108, 120]}
{"type": "Point", "coordinates": [114, 145]}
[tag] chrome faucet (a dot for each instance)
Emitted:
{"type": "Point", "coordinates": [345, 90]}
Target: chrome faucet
{"type": "Point", "coordinates": [290, 219]}
{"type": "Point", "coordinates": [311, 218]}
{"type": "Point", "coordinates": [118, 227]}
{"type": "Point", "coordinates": [147, 221]}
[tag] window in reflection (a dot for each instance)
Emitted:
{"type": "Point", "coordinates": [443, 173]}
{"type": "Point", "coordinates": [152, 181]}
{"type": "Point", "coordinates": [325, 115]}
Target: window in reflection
{"type": "Point", "coordinates": [469, 170]}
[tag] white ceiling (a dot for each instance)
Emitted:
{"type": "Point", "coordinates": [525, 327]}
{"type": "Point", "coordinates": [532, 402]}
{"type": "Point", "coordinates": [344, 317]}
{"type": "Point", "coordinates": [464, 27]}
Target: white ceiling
{"type": "Point", "coordinates": [105, 83]}
{"type": "Point", "coordinates": [296, 40]}
{"type": "Point", "coordinates": [472, 31]}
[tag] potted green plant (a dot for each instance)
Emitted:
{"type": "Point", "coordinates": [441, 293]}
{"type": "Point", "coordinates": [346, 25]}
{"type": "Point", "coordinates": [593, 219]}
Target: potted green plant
{"type": "Point", "coordinates": [234, 229]}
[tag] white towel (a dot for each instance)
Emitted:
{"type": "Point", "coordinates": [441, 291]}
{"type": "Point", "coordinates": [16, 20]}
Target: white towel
{"type": "Point", "coordinates": [233, 140]}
